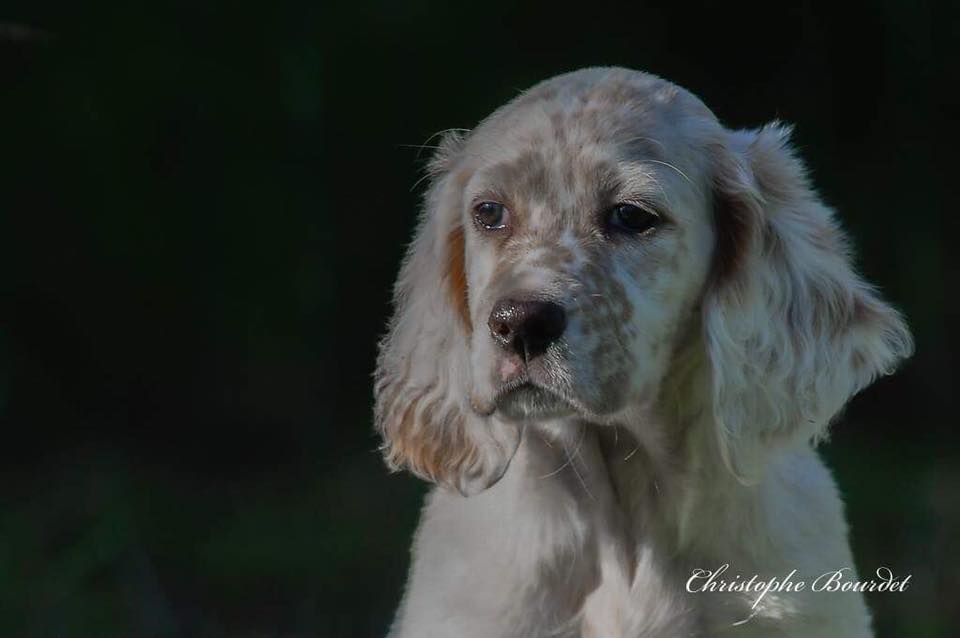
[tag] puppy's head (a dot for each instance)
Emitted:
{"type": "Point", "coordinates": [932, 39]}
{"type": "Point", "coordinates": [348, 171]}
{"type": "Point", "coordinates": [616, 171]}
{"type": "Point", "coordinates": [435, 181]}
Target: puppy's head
{"type": "Point", "coordinates": [583, 237]}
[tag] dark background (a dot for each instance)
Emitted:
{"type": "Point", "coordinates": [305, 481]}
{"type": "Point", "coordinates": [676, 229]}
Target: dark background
{"type": "Point", "coordinates": [203, 209]}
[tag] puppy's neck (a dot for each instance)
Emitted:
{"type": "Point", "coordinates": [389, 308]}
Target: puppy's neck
{"type": "Point", "coordinates": [654, 471]}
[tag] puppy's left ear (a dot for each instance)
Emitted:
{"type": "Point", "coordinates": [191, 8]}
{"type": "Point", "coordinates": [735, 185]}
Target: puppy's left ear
{"type": "Point", "coordinates": [791, 330]}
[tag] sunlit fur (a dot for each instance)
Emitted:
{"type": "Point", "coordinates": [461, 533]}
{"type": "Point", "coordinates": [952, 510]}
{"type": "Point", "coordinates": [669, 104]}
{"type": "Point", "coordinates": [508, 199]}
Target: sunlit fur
{"type": "Point", "coordinates": [700, 364]}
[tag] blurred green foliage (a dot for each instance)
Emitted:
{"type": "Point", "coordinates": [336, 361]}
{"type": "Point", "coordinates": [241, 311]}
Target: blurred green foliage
{"type": "Point", "coordinates": [204, 209]}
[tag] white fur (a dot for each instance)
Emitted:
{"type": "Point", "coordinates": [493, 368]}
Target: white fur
{"type": "Point", "coordinates": [698, 388]}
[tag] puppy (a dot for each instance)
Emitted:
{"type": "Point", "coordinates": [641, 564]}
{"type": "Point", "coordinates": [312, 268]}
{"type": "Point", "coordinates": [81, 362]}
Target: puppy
{"type": "Point", "coordinates": [618, 333]}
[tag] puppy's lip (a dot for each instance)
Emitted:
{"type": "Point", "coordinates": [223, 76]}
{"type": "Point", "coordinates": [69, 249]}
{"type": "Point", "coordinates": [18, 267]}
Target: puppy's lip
{"type": "Point", "coordinates": [506, 388]}
{"type": "Point", "coordinates": [523, 399]}
{"type": "Point", "coordinates": [485, 405]}
{"type": "Point", "coordinates": [526, 387]}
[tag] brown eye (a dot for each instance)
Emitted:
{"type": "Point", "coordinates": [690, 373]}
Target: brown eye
{"type": "Point", "coordinates": [631, 218]}
{"type": "Point", "coordinates": [490, 215]}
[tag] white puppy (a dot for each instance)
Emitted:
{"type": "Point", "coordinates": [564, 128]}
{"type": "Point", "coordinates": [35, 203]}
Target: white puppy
{"type": "Point", "coordinates": [619, 331]}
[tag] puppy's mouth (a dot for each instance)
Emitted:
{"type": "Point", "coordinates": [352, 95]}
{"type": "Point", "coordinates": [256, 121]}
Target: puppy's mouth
{"type": "Point", "coordinates": [523, 400]}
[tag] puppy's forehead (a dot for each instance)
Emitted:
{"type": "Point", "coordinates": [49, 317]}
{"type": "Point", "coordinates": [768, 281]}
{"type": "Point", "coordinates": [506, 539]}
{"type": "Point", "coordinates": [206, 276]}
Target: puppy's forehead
{"type": "Point", "coordinates": [565, 141]}
{"type": "Point", "coordinates": [599, 105]}
{"type": "Point", "coordinates": [600, 100]}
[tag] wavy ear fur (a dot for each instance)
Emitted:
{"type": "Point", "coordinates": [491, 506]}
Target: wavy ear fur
{"type": "Point", "coordinates": [423, 377]}
{"type": "Point", "coordinates": [791, 330]}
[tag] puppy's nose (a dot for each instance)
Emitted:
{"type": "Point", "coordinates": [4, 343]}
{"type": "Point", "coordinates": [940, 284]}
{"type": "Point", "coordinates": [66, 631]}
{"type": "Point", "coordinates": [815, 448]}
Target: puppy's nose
{"type": "Point", "coordinates": [526, 327]}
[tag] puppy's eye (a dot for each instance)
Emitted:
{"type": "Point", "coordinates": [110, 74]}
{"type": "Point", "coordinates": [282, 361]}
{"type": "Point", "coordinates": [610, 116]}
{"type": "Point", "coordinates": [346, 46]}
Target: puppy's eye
{"type": "Point", "coordinates": [631, 218]}
{"type": "Point", "coordinates": [490, 215]}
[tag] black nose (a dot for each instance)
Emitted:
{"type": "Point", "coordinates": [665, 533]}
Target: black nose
{"type": "Point", "coordinates": [526, 327]}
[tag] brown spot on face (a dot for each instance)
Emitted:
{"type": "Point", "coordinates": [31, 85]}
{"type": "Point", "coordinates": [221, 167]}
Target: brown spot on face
{"type": "Point", "coordinates": [614, 381]}
{"type": "Point", "coordinates": [555, 258]}
{"type": "Point", "coordinates": [732, 223]}
{"type": "Point", "coordinates": [606, 332]}
{"type": "Point", "coordinates": [600, 353]}
{"type": "Point", "coordinates": [457, 277]}
{"type": "Point", "coordinates": [524, 178]}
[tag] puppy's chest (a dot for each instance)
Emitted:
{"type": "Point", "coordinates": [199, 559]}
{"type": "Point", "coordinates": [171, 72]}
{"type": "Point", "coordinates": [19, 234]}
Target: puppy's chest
{"type": "Point", "coordinates": [615, 585]}
{"type": "Point", "coordinates": [604, 570]}
{"type": "Point", "coordinates": [637, 595]}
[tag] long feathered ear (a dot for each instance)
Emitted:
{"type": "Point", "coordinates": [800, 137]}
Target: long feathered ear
{"type": "Point", "coordinates": [423, 378]}
{"type": "Point", "coordinates": [791, 330]}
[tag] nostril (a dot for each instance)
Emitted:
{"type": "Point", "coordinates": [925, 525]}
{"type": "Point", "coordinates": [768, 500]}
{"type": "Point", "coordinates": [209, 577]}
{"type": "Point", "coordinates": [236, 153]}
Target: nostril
{"type": "Point", "coordinates": [550, 321]}
{"type": "Point", "coordinates": [505, 320]}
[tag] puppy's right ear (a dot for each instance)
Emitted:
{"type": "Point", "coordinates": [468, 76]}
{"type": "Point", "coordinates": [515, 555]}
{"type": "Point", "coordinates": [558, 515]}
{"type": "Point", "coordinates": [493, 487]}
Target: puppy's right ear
{"type": "Point", "coordinates": [423, 377]}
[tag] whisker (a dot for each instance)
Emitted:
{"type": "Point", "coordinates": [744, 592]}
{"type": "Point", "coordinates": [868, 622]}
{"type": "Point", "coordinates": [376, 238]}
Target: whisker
{"type": "Point", "coordinates": [545, 439]}
{"type": "Point", "coordinates": [583, 484]}
{"type": "Point", "coordinates": [573, 465]}
{"type": "Point", "coordinates": [417, 146]}
{"type": "Point", "coordinates": [656, 182]}
{"type": "Point", "coordinates": [583, 433]}
{"type": "Point", "coordinates": [669, 165]}
{"type": "Point", "coordinates": [426, 142]}
{"type": "Point", "coordinates": [427, 174]}
{"type": "Point", "coordinates": [643, 138]}
{"type": "Point", "coordinates": [417, 183]}
{"type": "Point", "coordinates": [558, 470]}
{"type": "Point", "coordinates": [444, 132]}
